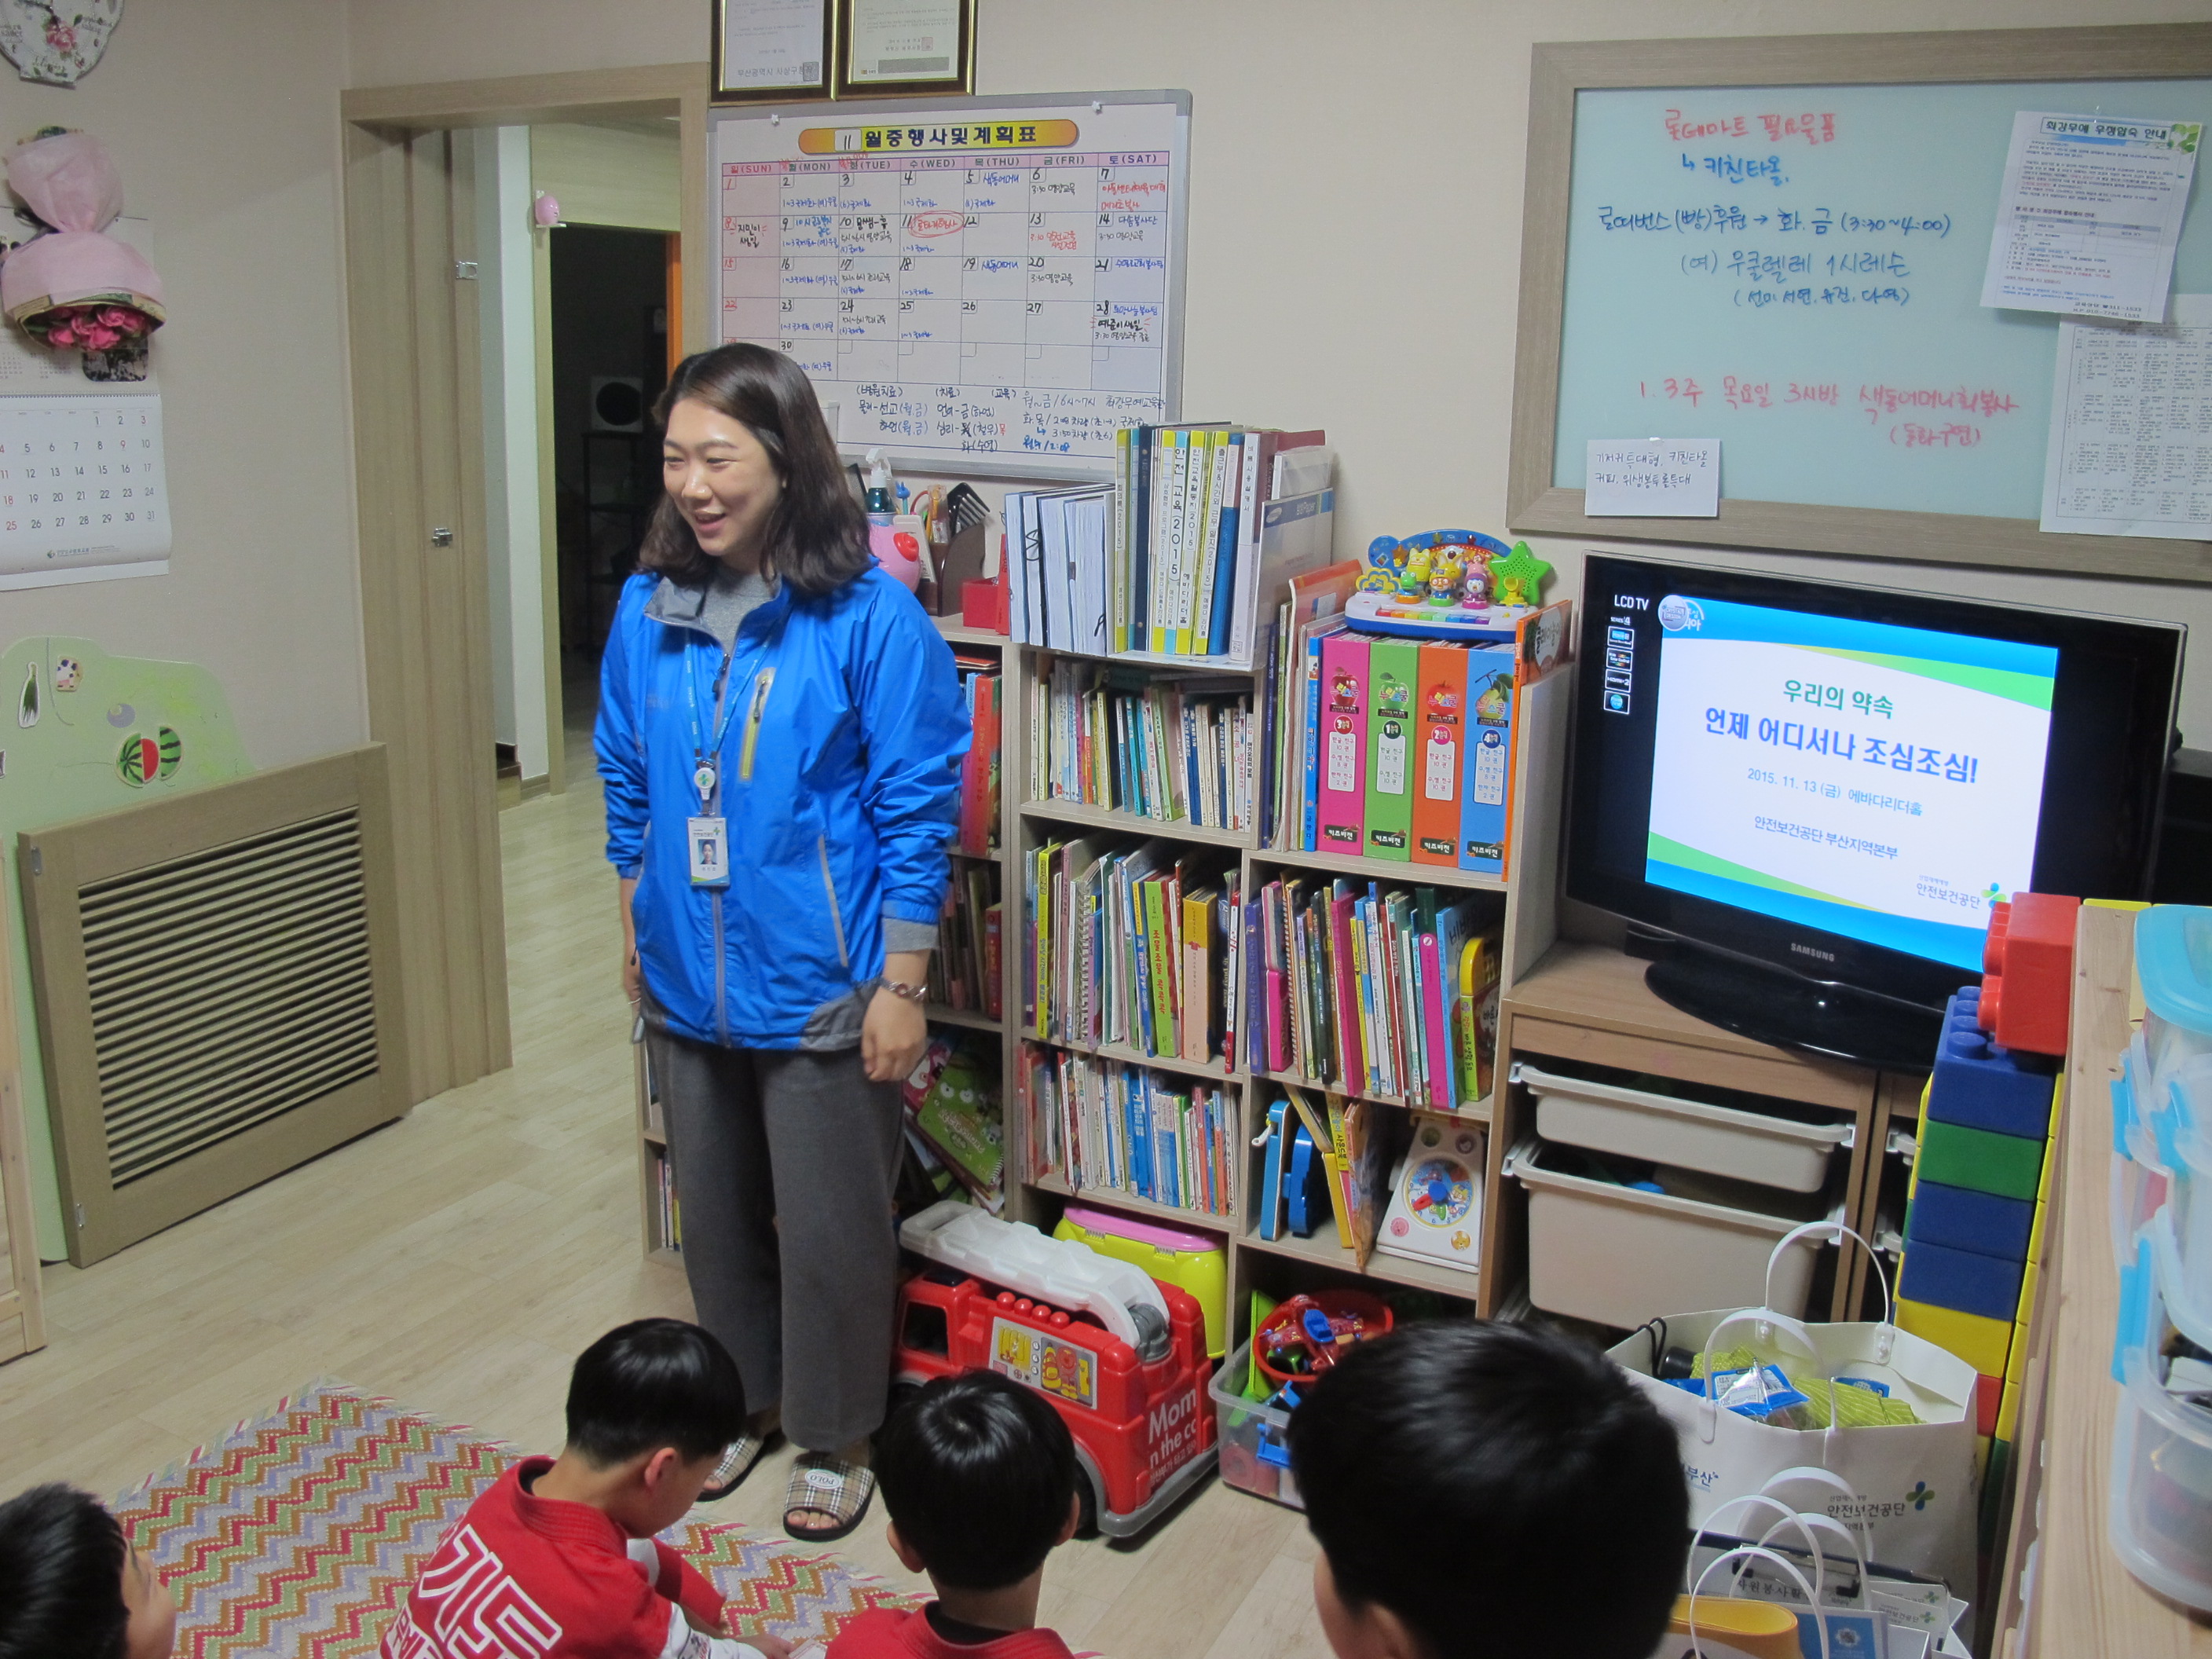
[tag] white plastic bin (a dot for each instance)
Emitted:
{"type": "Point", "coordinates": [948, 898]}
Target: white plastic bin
{"type": "Point", "coordinates": [1254, 1456]}
{"type": "Point", "coordinates": [2173, 961]}
{"type": "Point", "coordinates": [2161, 1518]}
{"type": "Point", "coordinates": [1619, 1255]}
{"type": "Point", "coordinates": [1689, 1135]}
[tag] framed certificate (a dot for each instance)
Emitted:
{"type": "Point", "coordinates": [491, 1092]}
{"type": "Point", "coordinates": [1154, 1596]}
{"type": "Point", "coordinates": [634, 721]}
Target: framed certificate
{"type": "Point", "coordinates": [776, 49]}
{"type": "Point", "coordinates": [902, 48]}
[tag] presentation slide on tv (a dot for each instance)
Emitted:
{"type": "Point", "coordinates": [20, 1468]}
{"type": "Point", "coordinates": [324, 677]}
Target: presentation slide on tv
{"type": "Point", "coordinates": [1875, 781]}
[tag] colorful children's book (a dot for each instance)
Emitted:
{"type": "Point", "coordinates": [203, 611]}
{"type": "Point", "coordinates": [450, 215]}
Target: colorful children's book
{"type": "Point", "coordinates": [1474, 1015]}
{"type": "Point", "coordinates": [1393, 674]}
{"type": "Point", "coordinates": [1440, 720]}
{"type": "Point", "coordinates": [1273, 1150]}
{"type": "Point", "coordinates": [1342, 785]}
{"type": "Point", "coordinates": [1489, 765]}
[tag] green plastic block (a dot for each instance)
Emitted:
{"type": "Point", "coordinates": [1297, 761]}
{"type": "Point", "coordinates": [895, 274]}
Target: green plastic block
{"type": "Point", "coordinates": [1985, 1162]}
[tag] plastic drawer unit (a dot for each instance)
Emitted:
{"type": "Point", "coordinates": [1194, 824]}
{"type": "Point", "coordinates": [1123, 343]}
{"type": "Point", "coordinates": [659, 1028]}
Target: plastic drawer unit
{"type": "Point", "coordinates": [2173, 960]}
{"type": "Point", "coordinates": [1688, 1134]}
{"type": "Point", "coordinates": [2160, 1519]}
{"type": "Point", "coordinates": [1256, 1457]}
{"type": "Point", "coordinates": [1621, 1254]}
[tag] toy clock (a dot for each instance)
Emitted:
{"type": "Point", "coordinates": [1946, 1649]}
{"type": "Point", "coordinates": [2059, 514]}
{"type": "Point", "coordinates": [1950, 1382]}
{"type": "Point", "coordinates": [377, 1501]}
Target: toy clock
{"type": "Point", "coordinates": [1446, 584]}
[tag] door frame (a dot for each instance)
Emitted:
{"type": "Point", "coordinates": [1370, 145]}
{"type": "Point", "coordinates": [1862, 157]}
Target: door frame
{"type": "Point", "coordinates": [418, 437]}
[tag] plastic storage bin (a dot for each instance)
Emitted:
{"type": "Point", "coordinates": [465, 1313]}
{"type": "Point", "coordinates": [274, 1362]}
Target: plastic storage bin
{"type": "Point", "coordinates": [2160, 1514]}
{"type": "Point", "coordinates": [1619, 1255]}
{"type": "Point", "coordinates": [1193, 1261]}
{"type": "Point", "coordinates": [2173, 961]}
{"type": "Point", "coordinates": [1689, 1135]}
{"type": "Point", "coordinates": [1254, 1456]}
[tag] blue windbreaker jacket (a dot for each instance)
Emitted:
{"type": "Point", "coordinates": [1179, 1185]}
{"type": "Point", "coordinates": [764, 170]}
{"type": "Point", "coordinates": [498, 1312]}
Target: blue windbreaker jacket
{"type": "Point", "coordinates": [840, 767]}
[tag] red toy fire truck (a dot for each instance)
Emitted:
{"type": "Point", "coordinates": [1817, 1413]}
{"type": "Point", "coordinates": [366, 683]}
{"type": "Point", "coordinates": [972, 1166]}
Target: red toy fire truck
{"type": "Point", "coordinates": [1120, 1355]}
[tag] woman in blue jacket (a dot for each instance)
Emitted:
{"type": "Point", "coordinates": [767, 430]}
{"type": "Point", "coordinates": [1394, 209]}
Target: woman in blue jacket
{"type": "Point", "coordinates": [781, 736]}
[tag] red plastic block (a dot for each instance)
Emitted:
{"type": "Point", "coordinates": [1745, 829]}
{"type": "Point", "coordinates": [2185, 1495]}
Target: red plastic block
{"type": "Point", "coordinates": [2029, 972]}
{"type": "Point", "coordinates": [1989, 1394]}
{"type": "Point", "coordinates": [984, 605]}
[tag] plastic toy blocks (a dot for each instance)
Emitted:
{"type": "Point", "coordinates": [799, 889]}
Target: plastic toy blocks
{"type": "Point", "coordinates": [2029, 972]}
{"type": "Point", "coordinates": [1964, 1219]}
{"type": "Point", "coordinates": [1980, 1084]}
{"type": "Point", "coordinates": [2010, 1166]}
{"type": "Point", "coordinates": [1965, 1280]}
{"type": "Point", "coordinates": [1984, 1344]}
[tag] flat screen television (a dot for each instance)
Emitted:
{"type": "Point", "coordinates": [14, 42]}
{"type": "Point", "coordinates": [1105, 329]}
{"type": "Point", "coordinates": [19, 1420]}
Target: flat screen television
{"type": "Point", "coordinates": [1814, 792]}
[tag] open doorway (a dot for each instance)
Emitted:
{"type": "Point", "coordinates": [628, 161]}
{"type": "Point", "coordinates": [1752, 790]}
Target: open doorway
{"type": "Point", "coordinates": [456, 458]}
{"type": "Point", "coordinates": [579, 234]}
{"type": "Point", "coordinates": [611, 360]}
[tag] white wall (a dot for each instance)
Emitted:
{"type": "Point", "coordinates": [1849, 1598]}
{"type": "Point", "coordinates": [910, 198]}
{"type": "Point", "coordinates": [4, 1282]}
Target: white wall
{"type": "Point", "coordinates": [223, 117]}
{"type": "Point", "coordinates": [1356, 182]}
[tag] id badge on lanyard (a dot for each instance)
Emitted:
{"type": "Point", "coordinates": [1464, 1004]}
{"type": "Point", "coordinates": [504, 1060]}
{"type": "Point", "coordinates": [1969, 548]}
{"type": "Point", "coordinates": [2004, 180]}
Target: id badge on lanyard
{"type": "Point", "coordinates": [708, 840]}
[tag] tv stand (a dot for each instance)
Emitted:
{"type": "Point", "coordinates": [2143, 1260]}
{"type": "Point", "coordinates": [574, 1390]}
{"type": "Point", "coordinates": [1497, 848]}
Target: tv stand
{"type": "Point", "coordinates": [1788, 1011]}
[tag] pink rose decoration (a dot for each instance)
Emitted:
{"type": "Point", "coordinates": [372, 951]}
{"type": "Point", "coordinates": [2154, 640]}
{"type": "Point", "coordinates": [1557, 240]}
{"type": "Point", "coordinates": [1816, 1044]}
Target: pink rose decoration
{"type": "Point", "coordinates": [61, 37]}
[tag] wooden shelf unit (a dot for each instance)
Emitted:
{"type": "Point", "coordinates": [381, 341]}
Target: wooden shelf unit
{"type": "Point", "coordinates": [1588, 1003]}
{"type": "Point", "coordinates": [1530, 916]}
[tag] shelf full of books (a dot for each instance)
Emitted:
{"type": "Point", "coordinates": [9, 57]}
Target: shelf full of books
{"type": "Point", "coordinates": [1175, 560]}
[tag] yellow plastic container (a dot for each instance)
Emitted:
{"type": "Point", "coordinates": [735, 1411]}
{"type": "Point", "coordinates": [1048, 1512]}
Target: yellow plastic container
{"type": "Point", "coordinates": [1193, 1261]}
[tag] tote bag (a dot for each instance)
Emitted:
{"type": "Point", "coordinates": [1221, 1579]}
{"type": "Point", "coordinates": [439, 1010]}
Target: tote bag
{"type": "Point", "coordinates": [1911, 1487]}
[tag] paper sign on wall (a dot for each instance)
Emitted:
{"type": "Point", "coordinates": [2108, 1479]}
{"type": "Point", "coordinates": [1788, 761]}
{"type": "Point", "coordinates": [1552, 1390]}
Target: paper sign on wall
{"type": "Point", "coordinates": [1656, 478]}
{"type": "Point", "coordinates": [2090, 214]}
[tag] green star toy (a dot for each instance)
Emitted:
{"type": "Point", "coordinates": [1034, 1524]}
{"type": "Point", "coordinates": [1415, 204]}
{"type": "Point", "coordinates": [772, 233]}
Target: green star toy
{"type": "Point", "coordinates": [1519, 576]}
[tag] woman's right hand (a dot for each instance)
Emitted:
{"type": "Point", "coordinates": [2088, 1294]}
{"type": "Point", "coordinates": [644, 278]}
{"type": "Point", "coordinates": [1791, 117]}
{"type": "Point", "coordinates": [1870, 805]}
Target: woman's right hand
{"type": "Point", "coordinates": [632, 976]}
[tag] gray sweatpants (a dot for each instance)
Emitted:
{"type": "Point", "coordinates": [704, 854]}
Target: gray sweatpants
{"type": "Point", "coordinates": [785, 1163]}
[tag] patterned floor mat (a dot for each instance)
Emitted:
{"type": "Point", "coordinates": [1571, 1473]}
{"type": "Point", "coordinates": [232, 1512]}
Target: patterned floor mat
{"type": "Point", "coordinates": [299, 1534]}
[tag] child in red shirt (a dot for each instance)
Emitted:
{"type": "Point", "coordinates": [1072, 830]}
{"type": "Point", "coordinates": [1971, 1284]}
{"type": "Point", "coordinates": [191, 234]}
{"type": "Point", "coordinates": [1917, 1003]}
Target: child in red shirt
{"type": "Point", "coordinates": [978, 1474]}
{"type": "Point", "coordinates": [558, 1560]}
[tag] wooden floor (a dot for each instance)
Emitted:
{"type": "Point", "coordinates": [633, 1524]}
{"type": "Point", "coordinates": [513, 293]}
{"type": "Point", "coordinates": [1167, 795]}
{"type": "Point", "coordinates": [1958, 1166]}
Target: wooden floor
{"type": "Point", "coordinates": [459, 1259]}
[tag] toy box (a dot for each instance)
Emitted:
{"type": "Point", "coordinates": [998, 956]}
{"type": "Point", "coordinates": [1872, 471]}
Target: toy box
{"type": "Point", "coordinates": [1254, 1456]}
{"type": "Point", "coordinates": [1120, 1355]}
{"type": "Point", "coordinates": [1196, 1262]}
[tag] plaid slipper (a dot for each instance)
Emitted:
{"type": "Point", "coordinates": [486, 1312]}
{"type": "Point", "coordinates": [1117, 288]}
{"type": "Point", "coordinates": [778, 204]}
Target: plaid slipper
{"type": "Point", "coordinates": [738, 1460]}
{"type": "Point", "coordinates": [830, 1489]}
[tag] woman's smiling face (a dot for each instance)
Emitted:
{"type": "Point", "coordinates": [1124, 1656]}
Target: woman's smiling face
{"type": "Point", "coordinates": [722, 480]}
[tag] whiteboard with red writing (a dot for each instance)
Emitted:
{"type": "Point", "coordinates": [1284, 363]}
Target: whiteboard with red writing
{"type": "Point", "coordinates": [1798, 271]}
{"type": "Point", "coordinates": [992, 284]}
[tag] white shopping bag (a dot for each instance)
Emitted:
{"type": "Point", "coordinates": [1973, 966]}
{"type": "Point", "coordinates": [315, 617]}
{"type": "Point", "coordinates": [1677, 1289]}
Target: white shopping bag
{"type": "Point", "coordinates": [1909, 1489]}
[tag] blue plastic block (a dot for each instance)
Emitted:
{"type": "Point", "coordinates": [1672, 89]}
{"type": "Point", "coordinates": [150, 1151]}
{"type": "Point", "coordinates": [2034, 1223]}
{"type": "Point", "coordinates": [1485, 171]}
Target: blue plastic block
{"type": "Point", "coordinates": [1960, 1218]}
{"type": "Point", "coordinates": [1982, 1086]}
{"type": "Point", "coordinates": [1962, 1280]}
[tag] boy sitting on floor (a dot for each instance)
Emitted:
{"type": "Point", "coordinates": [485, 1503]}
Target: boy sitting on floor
{"type": "Point", "coordinates": [1493, 1489]}
{"type": "Point", "coordinates": [558, 1560]}
{"type": "Point", "coordinates": [978, 1475]}
{"type": "Point", "coordinates": [71, 1587]}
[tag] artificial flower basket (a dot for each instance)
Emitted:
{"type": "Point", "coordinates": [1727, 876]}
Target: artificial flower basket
{"type": "Point", "coordinates": [75, 285]}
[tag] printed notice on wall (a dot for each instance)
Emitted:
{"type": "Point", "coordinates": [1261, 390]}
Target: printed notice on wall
{"type": "Point", "coordinates": [2130, 449]}
{"type": "Point", "coordinates": [2089, 214]}
{"type": "Point", "coordinates": [903, 40]}
{"type": "Point", "coordinates": [82, 497]}
{"type": "Point", "coordinates": [1658, 478]}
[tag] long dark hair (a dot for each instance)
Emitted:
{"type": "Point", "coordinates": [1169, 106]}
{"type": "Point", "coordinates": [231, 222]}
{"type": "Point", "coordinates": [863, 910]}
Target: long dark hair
{"type": "Point", "coordinates": [817, 539]}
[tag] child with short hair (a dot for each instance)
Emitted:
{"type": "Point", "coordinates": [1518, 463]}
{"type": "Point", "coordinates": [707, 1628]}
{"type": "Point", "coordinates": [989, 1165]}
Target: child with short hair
{"type": "Point", "coordinates": [978, 1474]}
{"type": "Point", "coordinates": [71, 1586]}
{"type": "Point", "coordinates": [1487, 1489]}
{"type": "Point", "coordinates": [557, 1559]}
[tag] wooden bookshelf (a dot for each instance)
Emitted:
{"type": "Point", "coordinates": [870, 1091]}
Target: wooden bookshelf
{"type": "Point", "coordinates": [1478, 1113]}
{"type": "Point", "coordinates": [1526, 895]}
{"type": "Point", "coordinates": [969, 1019]}
{"type": "Point", "coordinates": [1111, 1198]}
{"type": "Point", "coordinates": [1134, 823]}
{"type": "Point", "coordinates": [1206, 1071]}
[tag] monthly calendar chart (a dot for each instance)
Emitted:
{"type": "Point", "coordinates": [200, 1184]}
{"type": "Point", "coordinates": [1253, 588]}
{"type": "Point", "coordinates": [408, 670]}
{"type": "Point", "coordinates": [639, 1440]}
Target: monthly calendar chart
{"type": "Point", "coordinates": [960, 304]}
{"type": "Point", "coordinates": [80, 487]}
